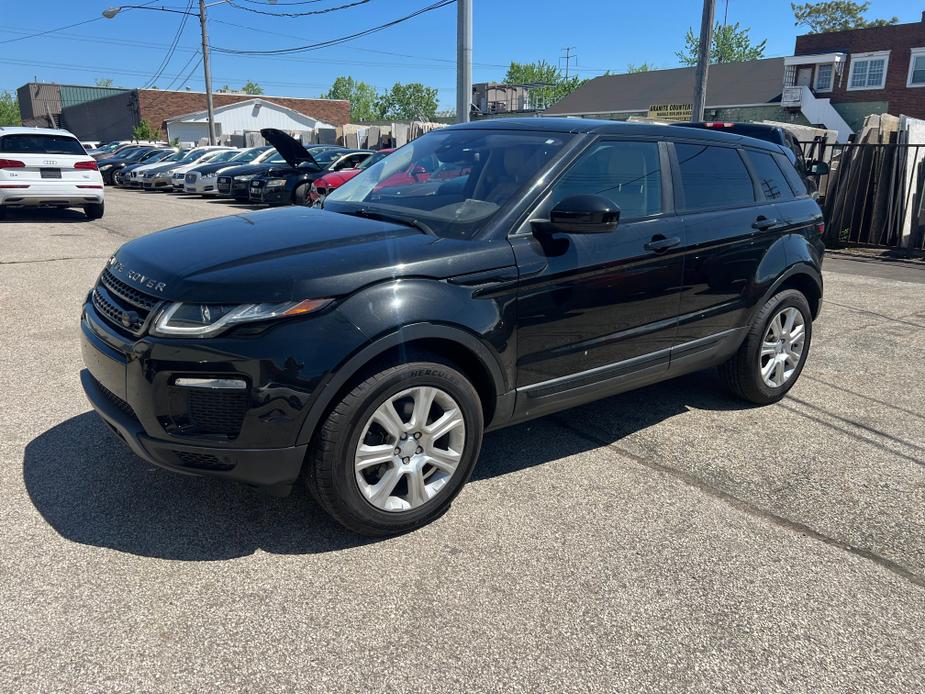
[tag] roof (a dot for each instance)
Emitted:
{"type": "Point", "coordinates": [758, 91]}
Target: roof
{"type": "Point", "coordinates": [606, 127]}
{"type": "Point", "coordinates": [237, 104]}
{"type": "Point", "coordinates": [730, 84]}
{"type": "Point", "coordinates": [17, 130]}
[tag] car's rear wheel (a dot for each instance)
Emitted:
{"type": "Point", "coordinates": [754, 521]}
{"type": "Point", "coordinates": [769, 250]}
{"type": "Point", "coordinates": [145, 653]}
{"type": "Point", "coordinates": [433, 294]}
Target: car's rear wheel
{"type": "Point", "coordinates": [396, 449]}
{"type": "Point", "coordinates": [771, 358]}
{"type": "Point", "coordinates": [94, 210]}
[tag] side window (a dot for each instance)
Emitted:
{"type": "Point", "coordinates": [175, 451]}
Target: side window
{"type": "Point", "coordinates": [713, 177]}
{"type": "Point", "coordinates": [629, 173]}
{"type": "Point", "coordinates": [770, 178]}
{"type": "Point", "coordinates": [796, 181]}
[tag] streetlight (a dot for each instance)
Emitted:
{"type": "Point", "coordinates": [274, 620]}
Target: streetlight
{"type": "Point", "coordinates": [113, 11]}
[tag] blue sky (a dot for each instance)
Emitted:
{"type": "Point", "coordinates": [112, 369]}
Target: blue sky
{"type": "Point", "coordinates": [603, 35]}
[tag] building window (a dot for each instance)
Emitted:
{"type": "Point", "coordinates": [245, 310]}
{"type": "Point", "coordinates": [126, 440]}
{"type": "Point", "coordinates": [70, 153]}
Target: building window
{"type": "Point", "coordinates": [790, 75]}
{"type": "Point", "coordinates": [824, 74]}
{"type": "Point", "coordinates": [868, 70]}
{"type": "Point", "coordinates": [917, 68]}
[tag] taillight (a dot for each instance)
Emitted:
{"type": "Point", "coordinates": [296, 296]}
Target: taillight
{"type": "Point", "coordinates": [11, 164]}
{"type": "Point", "coordinates": [717, 124]}
{"type": "Point", "coordinates": [90, 164]}
{"type": "Point", "coordinates": [820, 228]}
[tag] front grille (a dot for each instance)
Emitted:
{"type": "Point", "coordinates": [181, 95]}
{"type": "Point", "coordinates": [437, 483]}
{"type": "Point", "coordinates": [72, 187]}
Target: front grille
{"type": "Point", "coordinates": [116, 400]}
{"type": "Point", "coordinates": [257, 183]}
{"type": "Point", "coordinates": [201, 461]}
{"type": "Point", "coordinates": [191, 177]}
{"type": "Point", "coordinates": [224, 184]}
{"type": "Point", "coordinates": [119, 302]}
{"type": "Point", "coordinates": [216, 412]}
{"type": "Point", "coordinates": [127, 292]}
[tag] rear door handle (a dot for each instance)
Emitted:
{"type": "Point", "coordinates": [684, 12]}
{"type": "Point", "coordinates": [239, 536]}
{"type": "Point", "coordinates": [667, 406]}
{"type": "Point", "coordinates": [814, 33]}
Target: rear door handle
{"type": "Point", "coordinates": [659, 243]}
{"type": "Point", "coordinates": [763, 223]}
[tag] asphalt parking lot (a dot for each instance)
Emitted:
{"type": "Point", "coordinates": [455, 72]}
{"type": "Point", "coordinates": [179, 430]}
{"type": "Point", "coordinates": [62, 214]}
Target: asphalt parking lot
{"type": "Point", "coordinates": [664, 540]}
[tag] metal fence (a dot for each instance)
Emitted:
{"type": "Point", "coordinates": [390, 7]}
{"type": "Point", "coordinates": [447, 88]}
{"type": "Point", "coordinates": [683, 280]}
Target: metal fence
{"type": "Point", "coordinates": [873, 193]}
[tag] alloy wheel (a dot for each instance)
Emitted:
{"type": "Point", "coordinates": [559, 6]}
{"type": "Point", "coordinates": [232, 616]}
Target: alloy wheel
{"type": "Point", "coordinates": [409, 448]}
{"type": "Point", "coordinates": [782, 347]}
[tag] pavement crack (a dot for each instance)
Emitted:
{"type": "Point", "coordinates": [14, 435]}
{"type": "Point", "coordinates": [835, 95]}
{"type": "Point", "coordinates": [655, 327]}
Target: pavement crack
{"type": "Point", "coordinates": [874, 313]}
{"type": "Point", "coordinates": [54, 260]}
{"type": "Point", "coordinates": [917, 415]}
{"type": "Point", "coordinates": [748, 507]}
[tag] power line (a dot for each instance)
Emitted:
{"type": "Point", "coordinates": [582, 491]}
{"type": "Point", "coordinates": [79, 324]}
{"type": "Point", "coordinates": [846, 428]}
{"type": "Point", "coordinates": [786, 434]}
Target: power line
{"type": "Point", "coordinates": [173, 47]}
{"type": "Point", "coordinates": [231, 3]}
{"type": "Point", "coordinates": [342, 39]}
{"type": "Point", "coordinates": [186, 65]}
{"type": "Point", "coordinates": [69, 26]}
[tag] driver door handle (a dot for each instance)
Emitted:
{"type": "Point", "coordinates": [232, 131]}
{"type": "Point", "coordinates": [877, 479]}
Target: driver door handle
{"type": "Point", "coordinates": [763, 223]}
{"type": "Point", "coordinates": [660, 244]}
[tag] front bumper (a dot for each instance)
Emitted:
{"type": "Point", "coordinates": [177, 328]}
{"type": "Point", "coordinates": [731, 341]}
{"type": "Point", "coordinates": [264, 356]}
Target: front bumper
{"type": "Point", "coordinates": [159, 183]}
{"type": "Point", "coordinates": [262, 195]}
{"type": "Point", "coordinates": [131, 385]}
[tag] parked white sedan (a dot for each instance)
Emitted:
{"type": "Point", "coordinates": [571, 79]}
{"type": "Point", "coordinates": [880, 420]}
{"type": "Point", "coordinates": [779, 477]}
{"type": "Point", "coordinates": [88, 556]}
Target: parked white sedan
{"type": "Point", "coordinates": [44, 167]}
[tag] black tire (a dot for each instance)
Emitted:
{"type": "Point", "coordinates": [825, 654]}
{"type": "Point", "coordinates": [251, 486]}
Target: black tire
{"type": "Point", "coordinates": [94, 210]}
{"type": "Point", "coordinates": [300, 194]}
{"type": "Point", "coordinates": [330, 474]}
{"type": "Point", "coordinates": [2, 212]}
{"type": "Point", "coordinates": [742, 372]}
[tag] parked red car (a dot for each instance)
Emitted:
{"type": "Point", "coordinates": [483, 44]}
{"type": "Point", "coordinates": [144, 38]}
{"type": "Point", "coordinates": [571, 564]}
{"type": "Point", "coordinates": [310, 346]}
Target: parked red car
{"type": "Point", "coordinates": [324, 185]}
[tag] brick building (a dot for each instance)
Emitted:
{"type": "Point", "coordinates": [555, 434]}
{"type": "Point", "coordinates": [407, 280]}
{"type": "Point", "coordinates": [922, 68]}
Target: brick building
{"type": "Point", "coordinates": [860, 71]}
{"type": "Point", "coordinates": [111, 114]}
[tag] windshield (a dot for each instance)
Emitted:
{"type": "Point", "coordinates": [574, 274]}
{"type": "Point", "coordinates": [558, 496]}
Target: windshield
{"type": "Point", "coordinates": [326, 156]}
{"type": "Point", "coordinates": [453, 181]}
{"type": "Point", "coordinates": [247, 155]}
{"type": "Point", "coordinates": [369, 161]}
{"type": "Point", "coordinates": [225, 156]}
{"type": "Point", "coordinates": [276, 159]}
{"type": "Point", "coordinates": [176, 156]}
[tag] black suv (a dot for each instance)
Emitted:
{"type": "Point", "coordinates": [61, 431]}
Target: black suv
{"type": "Point", "coordinates": [366, 347]}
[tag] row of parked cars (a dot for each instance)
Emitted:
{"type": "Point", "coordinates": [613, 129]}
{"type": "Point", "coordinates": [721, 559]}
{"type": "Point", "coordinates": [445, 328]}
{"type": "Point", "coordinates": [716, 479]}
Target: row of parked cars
{"type": "Point", "coordinates": [284, 172]}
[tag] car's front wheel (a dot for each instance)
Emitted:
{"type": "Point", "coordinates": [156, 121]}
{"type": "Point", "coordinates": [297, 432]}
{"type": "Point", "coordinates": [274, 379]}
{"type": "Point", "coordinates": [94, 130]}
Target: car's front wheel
{"type": "Point", "coordinates": [94, 210]}
{"type": "Point", "coordinates": [771, 358]}
{"type": "Point", "coordinates": [396, 449]}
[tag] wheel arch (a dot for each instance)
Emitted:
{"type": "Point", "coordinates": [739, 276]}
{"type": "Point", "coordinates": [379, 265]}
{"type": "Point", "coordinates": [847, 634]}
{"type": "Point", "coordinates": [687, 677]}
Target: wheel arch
{"type": "Point", "coordinates": [455, 344]}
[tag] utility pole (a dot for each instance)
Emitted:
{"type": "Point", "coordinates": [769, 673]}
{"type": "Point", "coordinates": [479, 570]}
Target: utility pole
{"type": "Point", "coordinates": [205, 66]}
{"type": "Point", "coordinates": [703, 60]}
{"type": "Point", "coordinates": [463, 60]}
{"type": "Point", "coordinates": [568, 58]}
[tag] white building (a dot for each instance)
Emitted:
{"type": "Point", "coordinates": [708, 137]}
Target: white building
{"type": "Point", "coordinates": [237, 118]}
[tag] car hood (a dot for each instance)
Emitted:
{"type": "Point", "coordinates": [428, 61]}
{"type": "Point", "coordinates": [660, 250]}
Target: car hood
{"type": "Point", "coordinates": [336, 178]}
{"type": "Point", "coordinates": [214, 168]}
{"type": "Point", "coordinates": [295, 253]}
{"type": "Point", "coordinates": [248, 169]}
{"type": "Point", "coordinates": [290, 149]}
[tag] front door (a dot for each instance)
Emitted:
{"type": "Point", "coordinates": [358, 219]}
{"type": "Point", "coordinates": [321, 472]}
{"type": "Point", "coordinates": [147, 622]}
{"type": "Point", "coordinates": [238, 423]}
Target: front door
{"type": "Point", "coordinates": [591, 306]}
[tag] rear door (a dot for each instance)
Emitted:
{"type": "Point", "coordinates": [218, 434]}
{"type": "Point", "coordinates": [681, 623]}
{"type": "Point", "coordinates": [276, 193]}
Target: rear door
{"type": "Point", "coordinates": [729, 225]}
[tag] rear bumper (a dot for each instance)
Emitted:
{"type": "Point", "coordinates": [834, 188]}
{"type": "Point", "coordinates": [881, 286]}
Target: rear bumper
{"type": "Point", "coordinates": [35, 197]}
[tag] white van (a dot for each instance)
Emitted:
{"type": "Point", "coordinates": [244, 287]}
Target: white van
{"type": "Point", "coordinates": [42, 167]}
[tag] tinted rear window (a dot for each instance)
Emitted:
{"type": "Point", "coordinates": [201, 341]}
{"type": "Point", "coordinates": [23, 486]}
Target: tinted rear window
{"type": "Point", "coordinates": [29, 143]}
{"type": "Point", "coordinates": [771, 179]}
{"type": "Point", "coordinates": [796, 181]}
{"type": "Point", "coordinates": [713, 177]}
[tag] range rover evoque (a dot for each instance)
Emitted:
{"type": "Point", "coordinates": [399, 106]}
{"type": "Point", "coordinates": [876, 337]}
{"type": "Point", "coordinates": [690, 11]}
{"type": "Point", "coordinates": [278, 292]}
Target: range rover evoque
{"type": "Point", "coordinates": [364, 348]}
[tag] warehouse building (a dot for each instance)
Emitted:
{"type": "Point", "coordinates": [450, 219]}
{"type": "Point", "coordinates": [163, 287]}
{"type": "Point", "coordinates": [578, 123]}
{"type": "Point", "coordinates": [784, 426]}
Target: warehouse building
{"type": "Point", "coordinates": [94, 113]}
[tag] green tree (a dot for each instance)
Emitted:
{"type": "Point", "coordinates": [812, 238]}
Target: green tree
{"type": "Point", "coordinates": [9, 109]}
{"type": "Point", "coordinates": [407, 101]}
{"type": "Point", "coordinates": [835, 15]}
{"type": "Point", "coordinates": [731, 44]}
{"type": "Point", "coordinates": [252, 88]}
{"type": "Point", "coordinates": [555, 84]}
{"type": "Point", "coordinates": [103, 82]}
{"type": "Point", "coordinates": [362, 97]}
{"type": "Point", "coordinates": [144, 131]}
{"type": "Point", "coordinates": [642, 67]}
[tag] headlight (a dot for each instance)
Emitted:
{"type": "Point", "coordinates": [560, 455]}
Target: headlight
{"type": "Point", "coordinates": [206, 320]}
{"type": "Point", "coordinates": [105, 167]}
{"type": "Point", "coordinates": [276, 183]}
{"type": "Point", "coordinates": [246, 177]}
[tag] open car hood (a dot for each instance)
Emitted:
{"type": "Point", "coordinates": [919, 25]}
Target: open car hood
{"type": "Point", "coordinates": [291, 150]}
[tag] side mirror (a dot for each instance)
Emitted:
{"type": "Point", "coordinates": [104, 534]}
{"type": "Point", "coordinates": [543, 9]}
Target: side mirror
{"type": "Point", "coordinates": [585, 214]}
{"type": "Point", "coordinates": [818, 168]}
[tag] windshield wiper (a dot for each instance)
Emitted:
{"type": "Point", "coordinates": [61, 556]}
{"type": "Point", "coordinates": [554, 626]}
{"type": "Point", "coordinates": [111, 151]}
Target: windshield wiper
{"type": "Point", "coordinates": [388, 217]}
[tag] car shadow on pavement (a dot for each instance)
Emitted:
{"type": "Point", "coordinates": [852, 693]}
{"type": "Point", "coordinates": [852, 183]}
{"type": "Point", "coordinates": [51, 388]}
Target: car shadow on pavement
{"type": "Point", "coordinates": [31, 216]}
{"type": "Point", "coordinates": [92, 490]}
